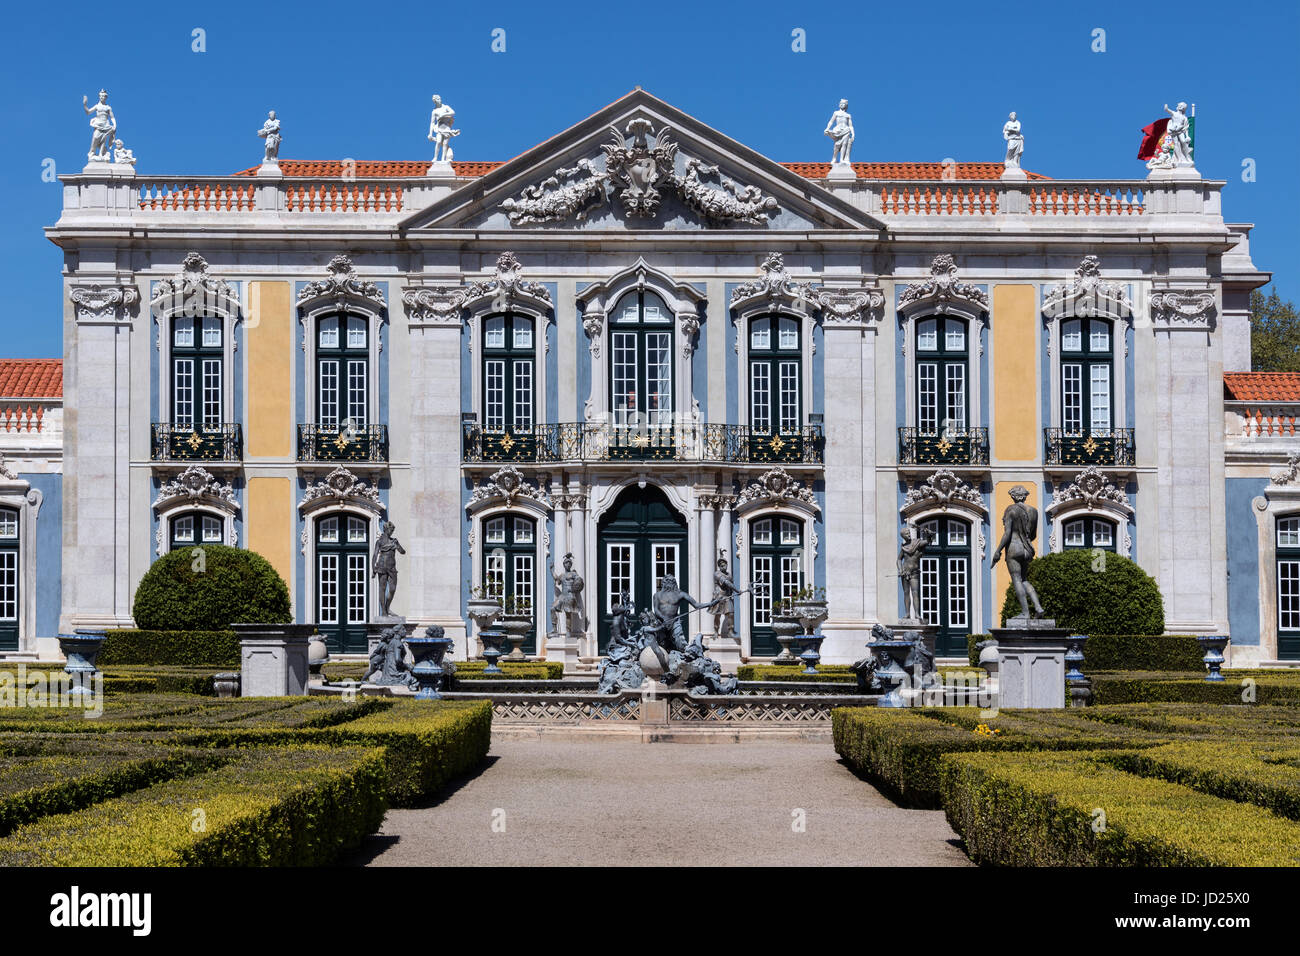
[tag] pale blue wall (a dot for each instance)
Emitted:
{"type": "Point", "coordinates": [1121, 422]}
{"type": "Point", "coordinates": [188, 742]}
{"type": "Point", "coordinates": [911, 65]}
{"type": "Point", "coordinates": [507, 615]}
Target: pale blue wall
{"type": "Point", "coordinates": [1243, 560]}
{"type": "Point", "coordinates": [49, 553]}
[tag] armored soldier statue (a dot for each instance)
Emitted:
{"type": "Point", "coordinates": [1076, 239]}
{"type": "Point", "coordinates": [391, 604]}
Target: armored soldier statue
{"type": "Point", "coordinates": [568, 616]}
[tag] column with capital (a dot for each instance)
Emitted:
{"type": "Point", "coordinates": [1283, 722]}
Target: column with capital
{"type": "Point", "coordinates": [707, 557]}
{"type": "Point", "coordinates": [726, 650]}
{"type": "Point", "coordinates": [578, 545]}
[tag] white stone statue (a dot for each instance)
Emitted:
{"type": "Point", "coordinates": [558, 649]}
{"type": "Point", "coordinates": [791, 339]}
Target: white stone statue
{"type": "Point", "coordinates": [840, 129]}
{"type": "Point", "coordinates": [1175, 148]}
{"type": "Point", "coordinates": [270, 132]}
{"type": "Point", "coordinates": [1015, 142]}
{"type": "Point", "coordinates": [122, 155]}
{"type": "Point", "coordinates": [441, 130]}
{"type": "Point", "coordinates": [104, 123]}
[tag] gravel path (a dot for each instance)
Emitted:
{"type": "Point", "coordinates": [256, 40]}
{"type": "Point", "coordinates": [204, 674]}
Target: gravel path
{"type": "Point", "coordinates": [558, 803]}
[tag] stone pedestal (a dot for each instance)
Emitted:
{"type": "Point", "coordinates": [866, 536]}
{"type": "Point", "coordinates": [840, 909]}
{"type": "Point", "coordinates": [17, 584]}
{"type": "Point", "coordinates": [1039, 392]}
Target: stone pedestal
{"type": "Point", "coordinates": [273, 659]}
{"type": "Point", "coordinates": [566, 648]}
{"type": "Point", "coordinates": [375, 630]}
{"type": "Point", "coordinates": [654, 702]}
{"type": "Point", "coordinates": [842, 172]}
{"type": "Point", "coordinates": [1014, 173]}
{"type": "Point", "coordinates": [1031, 664]}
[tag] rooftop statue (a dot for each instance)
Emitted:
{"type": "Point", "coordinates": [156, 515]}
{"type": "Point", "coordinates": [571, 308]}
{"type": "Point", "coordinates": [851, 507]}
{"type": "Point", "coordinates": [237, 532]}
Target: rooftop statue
{"type": "Point", "coordinates": [1175, 147]}
{"type": "Point", "coordinates": [840, 129]}
{"type": "Point", "coordinates": [441, 130]}
{"type": "Point", "coordinates": [1015, 142]}
{"type": "Point", "coordinates": [122, 155]}
{"type": "Point", "coordinates": [1020, 528]}
{"type": "Point", "coordinates": [270, 132]}
{"type": "Point", "coordinates": [104, 123]}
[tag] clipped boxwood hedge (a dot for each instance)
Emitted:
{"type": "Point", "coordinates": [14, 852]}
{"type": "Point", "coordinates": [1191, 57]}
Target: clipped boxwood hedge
{"type": "Point", "coordinates": [1078, 809]}
{"type": "Point", "coordinates": [1121, 598]}
{"type": "Point", "coordinates": [282, 806]}
{"type": "Point", "coordinates": [186, 590]}
{"type": "Point", "coordinates": [1267, 687]}
{"type": "Point", "coordinates": [826, 673]}
{"type": "Point", "coordinates": [171, 648]}
{"type": "Point", "coordinates": [1127, 652]}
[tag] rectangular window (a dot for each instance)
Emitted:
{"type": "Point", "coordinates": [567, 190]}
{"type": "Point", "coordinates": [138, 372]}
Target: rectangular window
{"type": "Point", "coordinates": [494, 574]}
{"type": "Point", "coordinates": [183, 334]}
{"type": "Point", "coordinates": [327, 571]}
{"type": "Point", "coordinates": [357, 391]}
{"type": "Point", "coordinates": [357, 588]}
{"type": "Point", "coordinates": [329, 531]}
{"type": "Point", "coordinates": [8, 524]}
{"type": "Point", "coordinates": [956, 394]}
{"type": "Point", "coordinates": [356, 530]}
{"type": "Point", "coordinates": [8, 585]}
{"type": "Point", "coordinates": [760, 334]}
{"type": "Point", "coordinates": [1071, 337]}
{"type": "Point", "coordinates": [212, 391]}
{"type": "Point", "coordinates": [329, 392]}
{"type": "Point", "coordinates": [523, 531]}
{"type": "Point", "coordinates": [1072, 398]}
{"type": "Point", "coordinates": [930, 590]}
{"type": "Point", "coordinates": [789, 372]}
{"type": "Point", "coordinates": [763, 532]}
{"type": "Point", "coordinates": [927, 410]}
{"type": "Point", "coordinates": [1099, 337]}
{"type": "Point", "coordinates": [329, 333]}
{"type": "Point", "coordinates": [659, 378]}
{"type": "Point", "coordinates": [1288, 533]}
{"type": "Point", "coordinates": [1074, 534]}
{"type": "Point", "coordinates": [211, 531]}
{"type": "Point", "coordinates": [618, 572]}
{"type": "Point", "coordinates": [788, 338]}
{"type": "Point", "coordinates": [956, 534]}
{"type": "Point", "coordinates": [523, 394]}
{"type": "Point", "coordinates": [494, 398]}
{"type": "Point", "coordinates": [495, 532]}
{"type": "Point", "coordinates": [954, 337]}
{"type": "Point", "coordinates": [791, 575]}
{"type": "Point", "coordinates": [1100, 381]}
{"type": "Point", "coordinates": [1101, 535]}
{"type": "Point", "coordinates": [789, 532]}
{"type": "Point", "coordinates": [494, 334]}
{"type": "Point", "coordinates": [211, 333]}
{"type": "Point", "coordinates": [356, 333]}
{"type": "Point", "coordinates": [760, 580]}
{"type": "Point", "coordinates": [624, 397]}
{"type": "Point", "coordinates": [927, 337]}
{"type": "Point", "coordinates": [523, 580]}
{"type": "Point", "coordinates": [183, 530]}
{"type": "Point", "coordinates": [958, 594]}
{"type": "Point", "coordinates": [760, 397]}
{"type": "Point", "coordinates": [1288, 595]}
{"type": "Point", "coordinates": [183, 392]}
{"type": "Point", "coordinates": [523, 336]}
{"type": "Point", "coordinates": [665, 562]}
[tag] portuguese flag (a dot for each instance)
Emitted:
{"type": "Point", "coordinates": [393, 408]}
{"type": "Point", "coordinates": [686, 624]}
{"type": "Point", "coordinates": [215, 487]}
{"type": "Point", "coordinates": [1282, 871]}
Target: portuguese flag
{"type": "Point", "coordinates": [1153, 135]}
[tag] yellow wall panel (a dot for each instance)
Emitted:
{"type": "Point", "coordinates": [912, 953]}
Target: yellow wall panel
{"type": "Point", "coordinates": [271, 425]}
{"type": "Point", "coordinates": [1001, 577]}
{"type": "Point", "coordinates": [1016, 435]}
{"type": "Point", "coordinates": [270, 523]}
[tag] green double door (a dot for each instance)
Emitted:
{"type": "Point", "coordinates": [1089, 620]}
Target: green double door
{"type": "Point", "coordinates": [8, 579]}
{"type": "Point", "coordinates": [640, 540]}
{"type": "Point", "coordinates": [342, 582]}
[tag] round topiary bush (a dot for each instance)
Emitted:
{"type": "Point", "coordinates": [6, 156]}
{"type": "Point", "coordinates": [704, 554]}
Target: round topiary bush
{"type": "Point", "coordinates": [1093, 592]}
{"type": "Point", "coordinates": [209, 588]}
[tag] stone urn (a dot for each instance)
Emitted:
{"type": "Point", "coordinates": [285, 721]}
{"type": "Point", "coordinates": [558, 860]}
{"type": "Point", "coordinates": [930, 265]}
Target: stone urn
{"type": "Point", "coordinates": [492, 639]}
{"type": "Point", "coordinates": [80, 650]}
{"type": "Point", "coordinates": [428, 652]}
{"type": "Point", "coordinates": [483, 611]}
{"type": "Point", "coordinates": [785, 628]}
{"type": "Point", "coordinates": [1214, 646]}
{"type": "Point", "coordinates": [891, 671]}
{"type": "Point", "coordinates": [810, 613]}
{"type": "Point", "coordinates": [516, 627]}
{"type": "Point", "coordinates": [227, 684]}
{"type": "Point", "coordinates": [318, 654]}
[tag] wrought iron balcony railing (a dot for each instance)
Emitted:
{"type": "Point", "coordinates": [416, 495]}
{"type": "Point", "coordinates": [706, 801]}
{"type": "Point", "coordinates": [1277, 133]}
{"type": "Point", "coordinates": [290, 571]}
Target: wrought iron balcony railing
{"type": "Point", "coordinates": [588, 441]}
{"type": "Point", "coordinates": [918, 447]}
{"type": "Point", "coordinates": [172, 441]}
{"type": "Point", "coordinates": [369, 443]}
{"type": "Point", "coordinates": [1113, 446]}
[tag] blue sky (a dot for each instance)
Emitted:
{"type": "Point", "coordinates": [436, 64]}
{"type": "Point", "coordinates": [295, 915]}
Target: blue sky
{"type": "Point", "coordinates": [925, 81]}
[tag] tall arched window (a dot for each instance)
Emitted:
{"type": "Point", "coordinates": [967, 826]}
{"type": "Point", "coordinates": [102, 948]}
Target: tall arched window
{"type": "Point", "coordinates": [192, 528]}
{"type": "Point", "coordinates": [509, 571]}
{"type": "Point", "coordinates": [641, 376]}
{"type": "Point", "coordinates": [196, 370]}
{"type": "Point", "coordinates": [1089, 533]}
{"type": "Point", "coordinates": [946, 583]}
{"type": "Point", "coordinates": [775, 573]}
{"type": "Point", "coordinates": [508, 375]}
{"type": "Point", "coordinates": [1087, 354]}
{"type": "Point", "coordinates": [9, 579]}
{"type": "Point", "coordinates": [774, 374]}
{"type": "Point", "coordinates": [1288, 588]}
{"type": "Point", "coordinates": [342, 363]}
{"type": "Point", "coordinates": [942, 393]}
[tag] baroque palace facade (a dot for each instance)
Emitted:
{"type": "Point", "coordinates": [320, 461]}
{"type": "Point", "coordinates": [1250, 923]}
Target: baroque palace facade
{"type": "Point", "coordinates": [643, 344]}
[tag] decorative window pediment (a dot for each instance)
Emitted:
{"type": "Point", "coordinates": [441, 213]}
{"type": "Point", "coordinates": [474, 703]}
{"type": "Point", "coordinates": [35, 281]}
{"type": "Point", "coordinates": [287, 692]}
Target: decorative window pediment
{"type": "Point", "coordinates": [1087, 295]}
{"type": "Point", "coordinates": [341, 487]}
{"type": "Point", "coordinates": [775, 291]}
{"type": "Point", "coordinates": [341, 289]}
{"type": "Point", "coordinates": [944, 293]}
{"type": "Point", "coordinates": [193, 292]}
{"type": "Point", "coordinates": [504, 291]}
{"type": "Point", "coordinates": [943, 490]}
{"type": "Point", "coordinates": [1090, 490]}
{"type": "Point", "coordinates": [1290, 475]}
{"type": "Point", "coordinates": [682, 298]}
{"type": "Point", "coordinates": [507, 485]}
{"type": "Point", "coordinates": [777, 488]}
{"type": "Point", "coordinates": [196, 485]}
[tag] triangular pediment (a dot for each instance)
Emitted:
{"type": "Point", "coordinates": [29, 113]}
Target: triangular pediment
{"type": "Point", "coordinates": [641, 164]}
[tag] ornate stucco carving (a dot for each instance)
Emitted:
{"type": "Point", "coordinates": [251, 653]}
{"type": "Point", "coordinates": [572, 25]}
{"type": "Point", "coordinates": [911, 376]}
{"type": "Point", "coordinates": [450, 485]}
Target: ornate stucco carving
{"type": "Point", "coordinates": [505, 290]}
{"type": "Point", "coordinates": [509, 484]}
{"type": "Point", "coordinates": [193, 291]}
{"type": "Point", "coordinates": [568, 193]}
{"type": "Point", "coordinates": [1182, 308]}
{"type": "Point", "coordinates": [850, 306]}
{"type": "Point", "coordinates": [196, 483]}
{"type": "Point", "coordinates": [943, 292]}
{"type": "Point", "coordinates": [342, 283]}
{"type": "Point", "coordinates": [341, 486]}
{"type": "Point", "coordinates": [773, 290]}
{"type": "Point", "coordinates": [6, 472]}
{"type": "Point", "coordinates": [943, 489]}
{"type": "Point", "coordinates": [103, 303]}
{"type": "Point", "coordinates": [778, 487]}
{"type": "Point", "coordinates": [730, 203]}
{"type": "Point", "coordinates": [1087, 295]}
{"type": "Point", "coordinates": [1291, 474]}
{"type": "Point", "coordinates": [1093, 489]}
{"type": "Point", "coordinates": [435, 305]}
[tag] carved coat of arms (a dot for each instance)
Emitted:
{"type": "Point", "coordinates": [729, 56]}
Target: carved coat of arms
{"type": "Point", "coordinates": [638, 170]}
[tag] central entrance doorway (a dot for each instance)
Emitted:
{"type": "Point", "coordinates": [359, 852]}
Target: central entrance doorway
{"type": "Point", "coordinates": [639, 540]}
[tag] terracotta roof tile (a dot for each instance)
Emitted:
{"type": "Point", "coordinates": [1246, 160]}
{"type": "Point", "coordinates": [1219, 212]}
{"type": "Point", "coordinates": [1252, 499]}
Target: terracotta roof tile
{"type": "Point", "coordinates": [31, 378]}
{"type": "Point", "coordinates": [1261, 386]}
{"type": "Point", "coordinates": [396, 169]}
